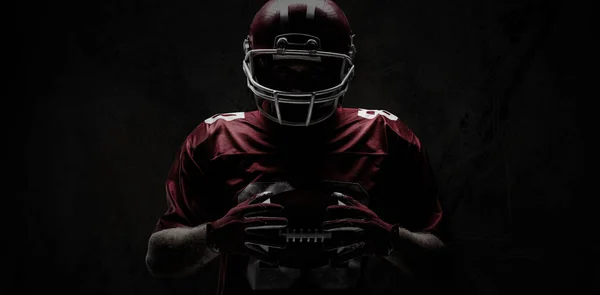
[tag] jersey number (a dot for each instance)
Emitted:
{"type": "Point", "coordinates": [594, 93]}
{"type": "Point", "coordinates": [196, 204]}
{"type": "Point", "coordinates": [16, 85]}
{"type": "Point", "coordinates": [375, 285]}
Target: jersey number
{"type": "Point", "coordinates": [370, 114]}
{"type": "Point", "coordinates": [367, 114]}
{"type": "Point", "coordinates": [226, 117]}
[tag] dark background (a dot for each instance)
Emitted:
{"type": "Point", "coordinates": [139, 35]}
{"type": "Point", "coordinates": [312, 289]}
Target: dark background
{"type": "Point", "coordinates": [494, 89]}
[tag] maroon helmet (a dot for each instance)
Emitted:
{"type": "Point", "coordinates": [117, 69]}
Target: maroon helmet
{"type": "Point", "coordinates": [314, 33]}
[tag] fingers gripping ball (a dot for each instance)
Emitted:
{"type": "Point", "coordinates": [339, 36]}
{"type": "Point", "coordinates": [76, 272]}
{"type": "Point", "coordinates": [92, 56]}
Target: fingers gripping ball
{"type": "Point", "coordinates": [246, 227]}
{"type": "Point", "coordinates": [305, 211]}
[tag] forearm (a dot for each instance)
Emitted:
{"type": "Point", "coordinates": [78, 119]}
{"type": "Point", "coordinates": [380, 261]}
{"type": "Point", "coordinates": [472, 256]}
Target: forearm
{"type": "Point", "coordinates": [414, 252]}
{"type": "Point", "coordinates": [178, 251]}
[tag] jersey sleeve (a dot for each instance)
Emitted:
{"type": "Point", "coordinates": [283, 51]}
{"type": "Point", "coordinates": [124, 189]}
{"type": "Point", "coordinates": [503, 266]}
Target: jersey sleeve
{"type": "Point", "coordinates": [423, 186]}
{"type": "Point", "coordinates": [190, 193]}
{"type": "Point", "coordinates": [416, 204]}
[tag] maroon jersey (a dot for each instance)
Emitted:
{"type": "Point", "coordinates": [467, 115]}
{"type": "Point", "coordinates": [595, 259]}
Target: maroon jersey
{"type": "Point", "coordinates": [367, 154]}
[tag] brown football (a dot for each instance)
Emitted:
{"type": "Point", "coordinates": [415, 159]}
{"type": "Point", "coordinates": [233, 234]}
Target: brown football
{"type": "Point", "coordinates": [305, 211]}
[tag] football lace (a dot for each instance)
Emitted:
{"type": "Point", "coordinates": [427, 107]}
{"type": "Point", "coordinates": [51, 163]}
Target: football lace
{"type": "Point", "coordinates": [304, 235]}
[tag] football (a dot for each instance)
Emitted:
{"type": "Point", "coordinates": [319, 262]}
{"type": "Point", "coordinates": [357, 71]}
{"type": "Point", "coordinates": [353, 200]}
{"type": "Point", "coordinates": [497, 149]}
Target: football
{"type": "Point", "coordinates": [305, 211]}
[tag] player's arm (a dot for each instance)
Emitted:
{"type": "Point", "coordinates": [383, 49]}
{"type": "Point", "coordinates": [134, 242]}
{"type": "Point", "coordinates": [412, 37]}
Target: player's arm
{"type": "Point", "coordinates": [179, 251]}
{"type": "Point", "coordinates": [402, 229]}
{"type": "Point", "coordinates": [407, 213]}
{"type": "Point", "coordinates": [178, 246]}
{"type": "Point", "coordinates": [417, 243]}
{"type": "Point", "coordinates": [361, 231]}
{"type": "Point", "coordinates": [415, 250]}
{"type": "Point", "coordinates": [194, 228]}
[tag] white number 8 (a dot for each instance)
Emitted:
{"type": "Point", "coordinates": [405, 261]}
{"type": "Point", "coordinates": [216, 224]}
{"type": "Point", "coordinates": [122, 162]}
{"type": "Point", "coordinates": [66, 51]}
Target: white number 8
{"type": "Point", "coordinates": [370, 114]}
{"type": "Point", "coordinates": [227, 117]}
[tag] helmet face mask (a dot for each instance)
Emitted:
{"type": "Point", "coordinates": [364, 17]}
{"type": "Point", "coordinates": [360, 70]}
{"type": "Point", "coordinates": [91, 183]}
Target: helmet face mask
{"type": "Point", "coordinates": [296, 80]}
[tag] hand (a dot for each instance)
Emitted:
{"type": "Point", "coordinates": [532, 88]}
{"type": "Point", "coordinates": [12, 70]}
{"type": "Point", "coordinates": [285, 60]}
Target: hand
{"type": "Point", "coordinates": [357, 230]}
{"type": "Point", "coordinates": [248, 226]}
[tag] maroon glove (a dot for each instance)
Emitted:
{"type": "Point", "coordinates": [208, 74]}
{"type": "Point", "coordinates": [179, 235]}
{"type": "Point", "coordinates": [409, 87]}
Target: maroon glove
{"type": "Point", "coordinates": [358, 231]}
{"type": "Point", "coordinates": [248, 226]}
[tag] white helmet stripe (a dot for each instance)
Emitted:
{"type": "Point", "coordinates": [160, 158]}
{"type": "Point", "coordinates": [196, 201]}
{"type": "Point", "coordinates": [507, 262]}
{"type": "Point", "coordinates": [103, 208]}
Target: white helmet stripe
{"type": "Point", "coordinates": [283, 7]}
{"type": "Point", "coordinates": [311, 6]}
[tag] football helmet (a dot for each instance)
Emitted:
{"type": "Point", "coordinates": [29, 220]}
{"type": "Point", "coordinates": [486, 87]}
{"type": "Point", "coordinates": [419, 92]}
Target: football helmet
{"type": "Point", "coordinates": [312, 33]}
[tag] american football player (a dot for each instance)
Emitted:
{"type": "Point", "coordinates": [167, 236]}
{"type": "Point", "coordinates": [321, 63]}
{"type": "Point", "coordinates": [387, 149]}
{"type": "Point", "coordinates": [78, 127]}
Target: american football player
{"type": "Point", "coordinates": [299, 62]}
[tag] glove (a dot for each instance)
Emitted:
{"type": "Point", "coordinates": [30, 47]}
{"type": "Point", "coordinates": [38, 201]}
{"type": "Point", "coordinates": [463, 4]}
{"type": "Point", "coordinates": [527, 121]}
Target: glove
{"type": "Point", "coordinates": [357, 231]}
{"type": "Point", "coordinates": [248, 226]}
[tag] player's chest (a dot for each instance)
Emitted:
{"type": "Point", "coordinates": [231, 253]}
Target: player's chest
{"type": "Point", "coordinates": [345, 172]}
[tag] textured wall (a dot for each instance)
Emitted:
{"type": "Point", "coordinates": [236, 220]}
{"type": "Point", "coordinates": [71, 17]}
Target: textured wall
{"type": "Point", "coordinates": [488, 86]}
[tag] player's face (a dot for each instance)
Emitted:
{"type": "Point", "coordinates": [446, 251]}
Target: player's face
{"type": "Point", "coordinates": [299, 76]}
